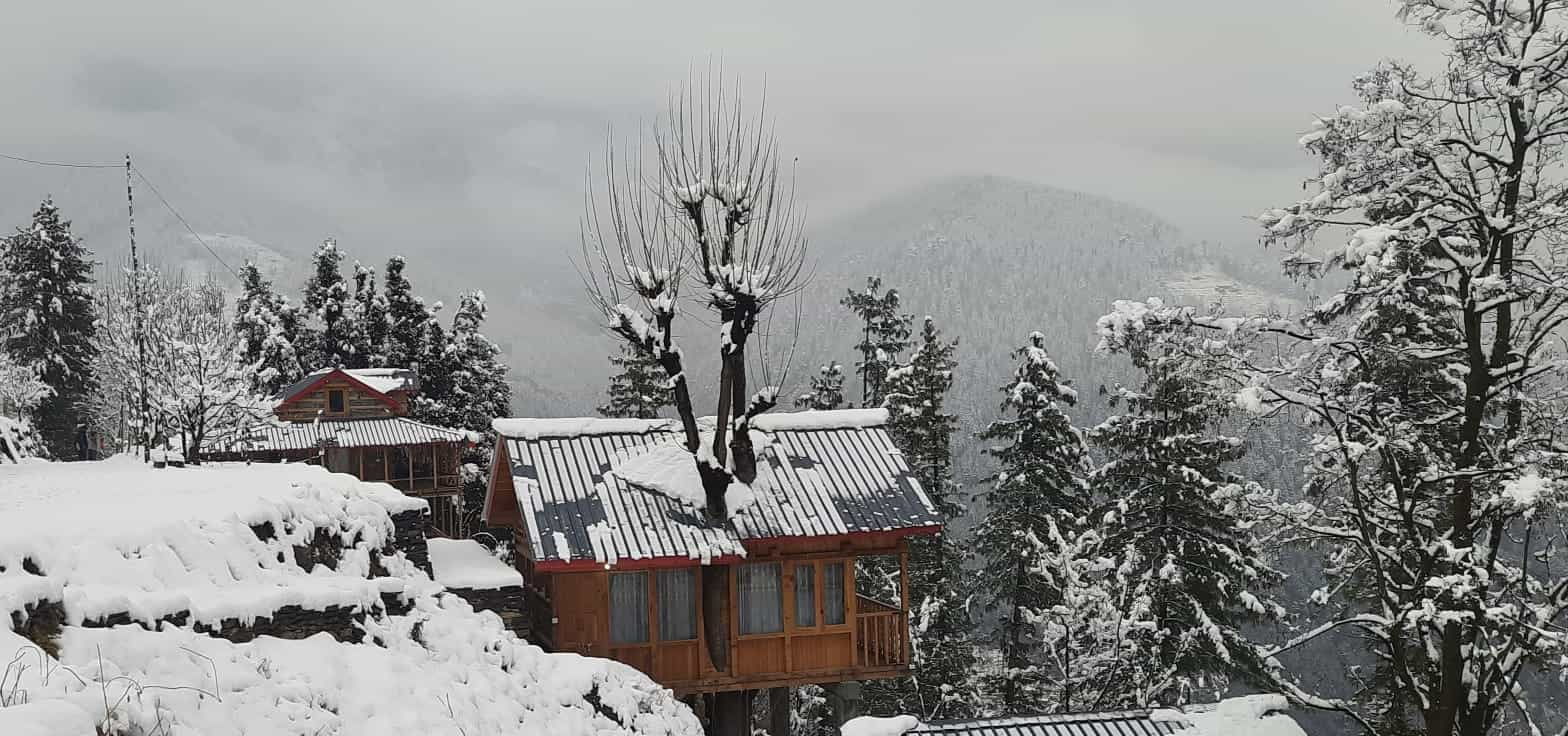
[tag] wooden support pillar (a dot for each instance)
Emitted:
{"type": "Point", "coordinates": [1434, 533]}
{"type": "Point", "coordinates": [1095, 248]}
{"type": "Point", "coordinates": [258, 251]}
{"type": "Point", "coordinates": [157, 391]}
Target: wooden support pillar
{"type": "Point", "coordinates": [779, 711]}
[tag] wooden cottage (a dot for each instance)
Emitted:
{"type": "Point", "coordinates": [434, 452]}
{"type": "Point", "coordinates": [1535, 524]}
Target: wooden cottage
{"type": "Point", "coordinates": [815, 562]}
{"type": "Point", "coordinates": [354, 421]}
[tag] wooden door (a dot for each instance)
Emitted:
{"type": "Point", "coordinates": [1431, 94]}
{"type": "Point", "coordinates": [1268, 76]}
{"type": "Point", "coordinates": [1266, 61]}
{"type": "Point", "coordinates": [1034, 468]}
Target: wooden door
{"type": "Point", "coordinates": [581, 612]}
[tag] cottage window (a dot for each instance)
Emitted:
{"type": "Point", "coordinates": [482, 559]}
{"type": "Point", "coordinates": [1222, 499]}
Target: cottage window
{"type": "Point", "coordinates": [337, 403]}
{"type": "Point", "coordinates": [373, 464]}
{"type": "Point", "coordinates": [833, 594]}
{"type": "Point", "coordinates": [629, 608]}
{"type": "Point", "coordinates": [424, 467]}
{"type": "Point", "coordinates": [677, 604]}
{"type": "Point", "coordinates": [761, 598]}
{"type": "Point", "coordinates": [805, 596]}
{"type": "Point", "coordinates": [397, 468]}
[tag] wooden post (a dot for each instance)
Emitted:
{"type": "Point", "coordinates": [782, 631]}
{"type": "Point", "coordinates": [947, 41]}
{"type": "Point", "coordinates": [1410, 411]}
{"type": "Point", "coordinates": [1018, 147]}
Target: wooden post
{"type": "Point", "coordinates": [903, 599]}
{"type": "Point", "coordinates": [778, 711]}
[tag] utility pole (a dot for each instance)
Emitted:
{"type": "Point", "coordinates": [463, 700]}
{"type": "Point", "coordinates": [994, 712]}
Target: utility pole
{"type": "Point", "coordinates": [138, 321]}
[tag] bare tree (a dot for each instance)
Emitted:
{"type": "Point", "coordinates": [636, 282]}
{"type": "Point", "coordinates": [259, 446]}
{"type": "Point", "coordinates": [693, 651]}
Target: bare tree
{"type": "Point", "coordinates": [711, 210]}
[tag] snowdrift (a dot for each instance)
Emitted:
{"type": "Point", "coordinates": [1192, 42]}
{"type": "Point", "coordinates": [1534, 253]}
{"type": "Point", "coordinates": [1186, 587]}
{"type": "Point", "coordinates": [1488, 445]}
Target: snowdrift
{"type": "Point", "coordinates": [264, 600]}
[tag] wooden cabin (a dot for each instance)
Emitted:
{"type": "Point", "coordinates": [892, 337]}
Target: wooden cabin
{"type": "Point", "coordinates": [355, 421]}
{"type": "Point", "coordinates": [622, 567]}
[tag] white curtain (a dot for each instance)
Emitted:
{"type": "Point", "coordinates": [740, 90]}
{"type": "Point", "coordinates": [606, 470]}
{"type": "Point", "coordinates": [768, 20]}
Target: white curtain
{"type": "Point", "coordinates": [628, 607]}
{"type": "Point", "coordinates": [833, 594]}
{"type": "Point", "coordinates": [805, 596]}
{"type": "Point", "coordinates": [677, 605]}
{"type": "Point", "coordinates": [761, 598]}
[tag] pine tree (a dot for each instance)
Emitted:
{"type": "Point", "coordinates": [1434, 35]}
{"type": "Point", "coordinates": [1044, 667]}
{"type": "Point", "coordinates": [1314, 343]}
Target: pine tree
{"type": "Point", "coordinates": [640, 389]}
{"type": "Point", "coordinates": [480, 393]}
{"type": "Point", "coordinates": [370, 320]}
{"type": "Point", "coordinates": [268, 326]}
{"type": "Point", "coordinates": [1036, 498]}
{"type": "Point", "coordinates": [1171, 522]}
{"type": "Point", "coordinates": [48, 323]}
{"type": "Point", "coordinates": [827, 389]}
{"type": "Point", "coordinates": [407, 317]}
{"type": "Point", "coordinates": [942, 685]}
{"type": "Point", "coordinates": [885, 335]}
{"type": "Point", "coordinates": [438, 365]}
{"type": "Point", "coordinates": [328, 308]}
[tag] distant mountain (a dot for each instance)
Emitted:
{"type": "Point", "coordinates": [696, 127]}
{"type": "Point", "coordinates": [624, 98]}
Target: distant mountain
{"type": "Point", "coordinates": [993, 259]}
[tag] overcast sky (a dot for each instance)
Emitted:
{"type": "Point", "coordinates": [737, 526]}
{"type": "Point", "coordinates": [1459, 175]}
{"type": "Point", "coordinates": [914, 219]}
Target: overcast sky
{"type": "Point", "coordinates": [467, 128]}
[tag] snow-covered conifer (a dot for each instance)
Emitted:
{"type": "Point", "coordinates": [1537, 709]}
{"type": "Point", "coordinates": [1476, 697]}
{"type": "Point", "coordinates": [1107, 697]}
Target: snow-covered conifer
{"type": "Point", "coordinates": [884, 336]}
{"type": "Point", "coordinates": [640, 389]}
{"type": "Point", "coordinates": [943, 683]}
{"type": "Point", "coordinates": [1037, 496]}
{"type": "Point", "coordinates": [827, 389]}
{"type": "Point", "coordinates": [268, 326]}
{"type": "Point", "coordinates": [371, 322]}
{"type": "Point", "coordinates": [46, 310]}
{"type": "Point", "coordinates": [328, 308]}
{"type": "Point", "coordinates": [21, 390]}
{"type": "Point", "coordinates": [407, 317]}
{"type": "Point", "coordinates": [1171, 517]}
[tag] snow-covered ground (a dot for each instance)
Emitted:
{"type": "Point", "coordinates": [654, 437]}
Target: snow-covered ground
{"type": "Point", "coordinates": [181, 545]}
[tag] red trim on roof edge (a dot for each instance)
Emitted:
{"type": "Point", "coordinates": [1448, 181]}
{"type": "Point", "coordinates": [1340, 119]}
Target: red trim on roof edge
{"type": "Point", "coordinates": [385, 399]}
{"type": "Point", "coordinates": [652, 563]}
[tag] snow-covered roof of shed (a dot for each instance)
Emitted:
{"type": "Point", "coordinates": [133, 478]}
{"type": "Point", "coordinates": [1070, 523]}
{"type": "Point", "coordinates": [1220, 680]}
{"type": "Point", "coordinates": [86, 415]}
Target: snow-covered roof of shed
{"type": "Point", "coordinates": [464, 563]}
{"type": "Point", "coordinates": [819, 474]}
{"type": "Point", "coordinates": [381, 432]}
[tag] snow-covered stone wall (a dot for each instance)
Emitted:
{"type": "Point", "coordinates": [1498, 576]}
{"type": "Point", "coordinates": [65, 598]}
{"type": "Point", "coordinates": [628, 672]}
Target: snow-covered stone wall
{"type": "Point", "coordinates": [264, 599]}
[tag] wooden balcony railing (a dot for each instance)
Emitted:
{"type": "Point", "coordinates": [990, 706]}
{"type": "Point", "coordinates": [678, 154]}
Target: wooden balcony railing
{"type": "Point", "coordinates": [882, 638]}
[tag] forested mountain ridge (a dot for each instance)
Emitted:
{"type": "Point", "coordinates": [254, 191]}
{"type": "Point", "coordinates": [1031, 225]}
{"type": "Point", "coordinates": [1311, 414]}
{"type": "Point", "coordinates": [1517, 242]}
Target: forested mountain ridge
{"type": "Point", "coordinates": [993, 259]}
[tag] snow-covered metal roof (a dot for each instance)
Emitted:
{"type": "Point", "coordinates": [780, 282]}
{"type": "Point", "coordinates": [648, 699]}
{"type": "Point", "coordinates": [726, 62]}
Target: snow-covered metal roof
{"type": "Point", "coordinates": [1116, 723]}
{"type": "Point", "coordinates": [384, 432]}
{"type": "Point", "coordinates": [819, 474]}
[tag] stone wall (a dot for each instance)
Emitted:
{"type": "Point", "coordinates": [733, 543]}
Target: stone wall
{"type": "Point", "coordinates": [510, 603]}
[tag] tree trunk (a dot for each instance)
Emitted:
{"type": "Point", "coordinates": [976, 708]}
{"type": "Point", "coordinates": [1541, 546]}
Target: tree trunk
{"type": "Point", "coordinates": [716, 615]}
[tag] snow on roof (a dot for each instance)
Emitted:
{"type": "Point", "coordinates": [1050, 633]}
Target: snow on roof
{"type": "Point", "coordinates": [808, 420]}
{"type": "Point", "coordinates": [464, 563]}
{"type": "Point", "coordinates": [567, 427]}
{"type": "Point", "coordinates": [117, 536]}
{"type": "Point", "coordinates": [381, 380]}
{"type": "Point", "coordinates": [879, 726]}
{"type": "Point", "coordinates": [1121, 723]}
{"type": "Point", "coordinates": [564, 427]}
{"type": "Point", "coordinates": [379, 432]}
{"type": "Point", "coordinates": [823, 476]}
{"type": "Point", "coordinates": [1247, 715]}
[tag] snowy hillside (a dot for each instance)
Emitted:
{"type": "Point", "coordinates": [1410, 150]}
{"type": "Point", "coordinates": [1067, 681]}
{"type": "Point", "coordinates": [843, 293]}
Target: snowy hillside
{"type": "Point", "coordinates": [133, 600]}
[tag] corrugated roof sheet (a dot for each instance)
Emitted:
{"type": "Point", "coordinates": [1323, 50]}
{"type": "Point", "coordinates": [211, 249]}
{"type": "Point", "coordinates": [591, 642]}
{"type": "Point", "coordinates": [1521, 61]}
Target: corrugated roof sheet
{"type": "Point", "coordinates": [1117, 723]}
{"type": "Point", "coordinates": [823, 480]}
{"type": "Point", "coordinates": [385, 432]}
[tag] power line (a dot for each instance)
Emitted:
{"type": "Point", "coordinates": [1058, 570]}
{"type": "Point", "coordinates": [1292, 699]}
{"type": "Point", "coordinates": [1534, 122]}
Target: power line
{"type": "Point", "coordinates": [187, 225]}
{"type": "Point", "coordinates": [60, 164]}
{"type": "Point", "coordinates": [143, 177]}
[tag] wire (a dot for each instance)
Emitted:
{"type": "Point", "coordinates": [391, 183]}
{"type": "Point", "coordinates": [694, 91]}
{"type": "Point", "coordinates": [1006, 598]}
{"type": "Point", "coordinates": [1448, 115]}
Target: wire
{"type": "Point", "coordinates": [187, 225]}
{"type": "Point", "coordinates": [62, 165]}
{"type": "Point", "coordinates": [154, 189]}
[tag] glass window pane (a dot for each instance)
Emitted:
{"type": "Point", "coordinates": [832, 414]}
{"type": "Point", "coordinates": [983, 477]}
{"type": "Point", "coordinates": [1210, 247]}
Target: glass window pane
{"type": "Point", "coordinates": [805, 596]}
{"type": "Point", "coordinates": [335, 402]}
{"type": "Point", "coordinates": [424, 461]}
{"type": "Point", "coordinates": [374, 463]}
{"type": "Point", "coordinates": [761, 598]}
{"type": "Point", "coordinates": [677, 605]}
{"type": "Point", "coordinates": [397, 463]}
{"type": "Point", "coordinates": [628, 607]}
{"type": "Point", "coordinates": [833, 594]}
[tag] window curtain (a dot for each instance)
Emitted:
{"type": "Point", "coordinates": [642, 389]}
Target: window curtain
{"type": "Point", "coordinates": [833, 594]}
{"type": "Point", "coordinates": [761, 598]}
{"type": "Point", "coordinates": [628, 607]}
{"type": "Point", "coordinates": [805, 596]}
{"type": "Point", "coordinates": [677, 605]}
